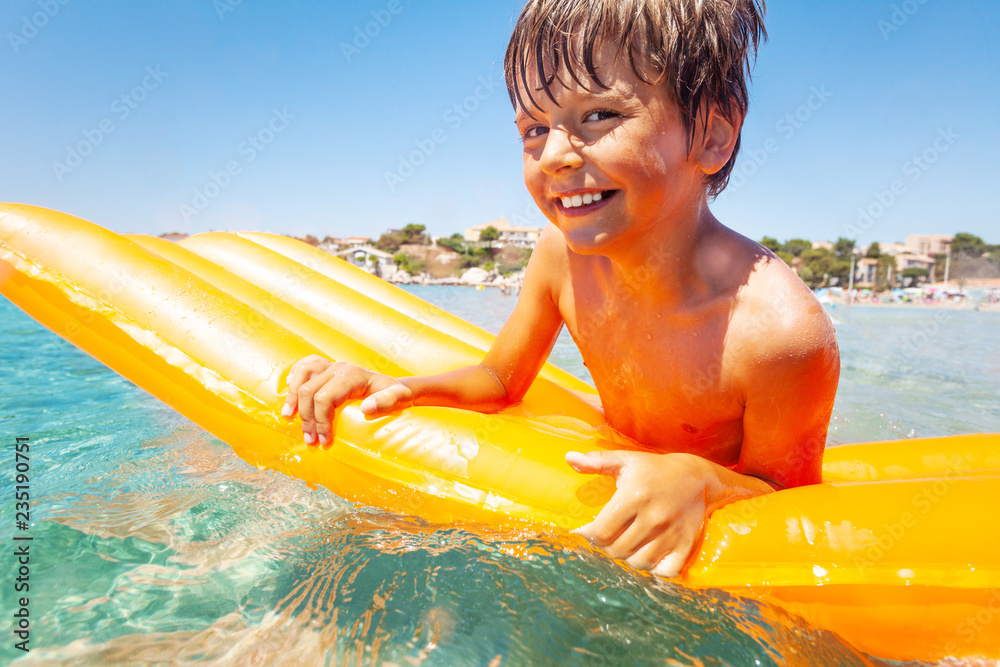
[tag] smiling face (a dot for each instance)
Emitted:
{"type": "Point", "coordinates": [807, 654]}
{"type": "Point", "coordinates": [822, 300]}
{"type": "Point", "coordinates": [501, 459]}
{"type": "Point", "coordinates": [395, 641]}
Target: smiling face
{"type": "Point", "coordinates": [610, 167]}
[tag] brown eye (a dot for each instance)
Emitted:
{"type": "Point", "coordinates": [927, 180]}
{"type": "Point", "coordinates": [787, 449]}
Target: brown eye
{"type": "Point", "coordinates": [534, 131]}
{"type": "Point", "coordinates": [599, 115]}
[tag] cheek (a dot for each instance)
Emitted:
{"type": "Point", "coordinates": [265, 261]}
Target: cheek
{"type": "Point", "coordinates": [533, 180]}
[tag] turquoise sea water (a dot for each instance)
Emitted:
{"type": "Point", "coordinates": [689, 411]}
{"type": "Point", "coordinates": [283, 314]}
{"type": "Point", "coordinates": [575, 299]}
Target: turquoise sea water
{"type": "Point", "coordinates": [153, 543]}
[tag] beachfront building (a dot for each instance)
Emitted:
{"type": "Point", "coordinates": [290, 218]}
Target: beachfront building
{"type": "Point", "coordinates": [355, 241]}
{"type": "Point", "coordinates": [369, 257]}
{"type": "Point", "coordinates": [509, 234]}
{"type": "Point", "coordinates": [865, 270]}
{"type": "Point", "coordinates": [909, 260]}
{"type": "Point", "coordinates": [894, 249]}
{"type": "Point", "coordinates": [928, 244]}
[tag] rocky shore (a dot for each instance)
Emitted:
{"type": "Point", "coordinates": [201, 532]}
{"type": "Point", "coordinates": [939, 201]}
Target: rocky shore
{"type": "Point", "coordinates": [474, 277]}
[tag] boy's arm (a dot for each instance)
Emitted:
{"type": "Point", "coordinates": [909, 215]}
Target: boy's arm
{"type": "Point", "coordinates": [317, 387]}
{"type": "Point", "coordinates": [789, 399]}
{"type": "Point", "coordinates": [527, 338]}
{"type": "Point", "coordinates": [517, 354]}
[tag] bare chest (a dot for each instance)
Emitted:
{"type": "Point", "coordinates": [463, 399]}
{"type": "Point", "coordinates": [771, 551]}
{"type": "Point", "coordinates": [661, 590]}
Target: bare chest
{"type": "Point", "coordinates": [664, 380]}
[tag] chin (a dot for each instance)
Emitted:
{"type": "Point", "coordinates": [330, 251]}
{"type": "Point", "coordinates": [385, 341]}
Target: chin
{"type": "Point", "coordinates": [588, 242]}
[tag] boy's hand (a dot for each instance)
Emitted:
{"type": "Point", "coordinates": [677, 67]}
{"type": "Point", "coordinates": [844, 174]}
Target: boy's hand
{"type": "Point", "coordinates": [317, 387]}
{"type": "Point", "coordinates": [656, 517]}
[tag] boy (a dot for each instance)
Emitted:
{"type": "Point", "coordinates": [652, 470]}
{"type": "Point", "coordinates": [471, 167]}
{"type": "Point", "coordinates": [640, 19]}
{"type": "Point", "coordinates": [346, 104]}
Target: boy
{"type": "Point", "coordinates": [705, 348]}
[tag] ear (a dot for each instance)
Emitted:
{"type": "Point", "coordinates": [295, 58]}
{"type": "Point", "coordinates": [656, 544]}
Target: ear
{"type": "Point", "coordinates": [717, 141]}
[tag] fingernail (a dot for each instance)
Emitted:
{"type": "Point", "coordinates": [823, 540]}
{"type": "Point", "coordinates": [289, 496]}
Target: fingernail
{"type": "Point", "coordinates": [308, 438]}
{"type": "Point", "coordinates": [323, 439]}
{"type": "Point", "coordinates": [368, 405]}
{"type": "Point", "coordinates": [286, 410]}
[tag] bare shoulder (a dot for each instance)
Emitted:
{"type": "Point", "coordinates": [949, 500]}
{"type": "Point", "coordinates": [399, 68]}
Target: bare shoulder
{"type": "Point", "coordinates": [777, 317]}
{"type": "Point", "coordinates": [784, 355]}
{"type": "Point", "coordinates": [549, 263]}
{"type": "Point", "coordinates": [551, 248]}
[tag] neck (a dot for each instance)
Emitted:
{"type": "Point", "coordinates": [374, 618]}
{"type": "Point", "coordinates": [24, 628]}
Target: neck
{"type": "Point", "coordinates": [665, 264]}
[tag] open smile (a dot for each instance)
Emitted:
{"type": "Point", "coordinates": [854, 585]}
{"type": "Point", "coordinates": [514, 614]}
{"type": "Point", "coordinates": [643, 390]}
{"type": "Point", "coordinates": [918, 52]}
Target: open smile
{"type": "Point", "coordinates": [580, 204]}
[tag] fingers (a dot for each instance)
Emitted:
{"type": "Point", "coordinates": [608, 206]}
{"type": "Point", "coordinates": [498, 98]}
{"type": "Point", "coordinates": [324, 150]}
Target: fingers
{"type": "Point", "coordinates": [627, 543]}
{"type": "Point", "coordinates": [625, 530]}
{"type": "Point", "coordinates": [322, 394]}
{"type": "Point", "coordinates": [611, 522]}
{"type": "Point", "coordinates": [671, 565]}
{"type": "Point", "coordinates": [665, 556]}
{"type": "Point", "coordinates": [301, 371]}
{"type": "Point", "coordinates": [664, 551]}
{"type": "Point", "coordinates": [395, 397]}
{"type": "Point", "coordinates": [317, 387]}
{"type": "Point", "coordinates": [598, 463]}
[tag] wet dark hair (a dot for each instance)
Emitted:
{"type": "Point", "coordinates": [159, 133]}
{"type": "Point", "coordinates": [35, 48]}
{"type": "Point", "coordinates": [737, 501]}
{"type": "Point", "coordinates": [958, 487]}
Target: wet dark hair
{"type": "Point", "coordinates": [698, 50]}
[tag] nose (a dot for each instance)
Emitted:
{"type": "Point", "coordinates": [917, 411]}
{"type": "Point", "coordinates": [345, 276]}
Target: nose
{"type": "Point", "coordinates": [559, 152]}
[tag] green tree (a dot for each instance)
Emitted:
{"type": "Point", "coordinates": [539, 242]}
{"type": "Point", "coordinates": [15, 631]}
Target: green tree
{"type": "Point", "coordinates": [454, 242]}
{"type": "Point", "coordinates": [388, 242]}
{"type": "Point", "coordinates": [886, 263]}
{"type": "Point", "coordinates": [796, 247]}
{"type": "Point", "coordinates": [414, 234]}
{"type": "Point", "coordinates": [940, 261]}
{"type": "Point", "coordinates": [809, 278]}
{"type": "Point", "coordinates": [915, 272]}
{"type": "Point", "coordinates": [411, 265]}
{"type": "Point", "coordinates": [771, 244]}
{"type": "Point", "coordinates": [968, 245]}
{"type": "Point", "coordinates": [841, 270]}
{"type": "Point", "coordinates": [874, 250]}
{"type": "Point", "coordinates": [816, 262]}
{"type": "Point", "coordinates": [785, 257]}
{"type": "Point", "coordinates": [489, 235]}
{"type": "Point", "coordinates": [844, 247]}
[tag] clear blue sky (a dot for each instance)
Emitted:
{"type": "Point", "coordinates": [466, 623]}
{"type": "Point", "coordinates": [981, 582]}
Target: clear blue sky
{"type": "Point", "coordinates": [928, 86]}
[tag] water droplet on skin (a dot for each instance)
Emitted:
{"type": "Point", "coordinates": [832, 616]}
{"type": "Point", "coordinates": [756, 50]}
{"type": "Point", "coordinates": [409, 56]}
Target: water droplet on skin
{"type": "Point", "coordinates": [694, 334]}
{"type": "Point", "coordinates": [649, 336]}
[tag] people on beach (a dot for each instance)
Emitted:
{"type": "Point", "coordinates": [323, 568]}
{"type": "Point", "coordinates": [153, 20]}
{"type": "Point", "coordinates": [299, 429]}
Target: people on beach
{"type": "Point", "coordinates": [706, 349]}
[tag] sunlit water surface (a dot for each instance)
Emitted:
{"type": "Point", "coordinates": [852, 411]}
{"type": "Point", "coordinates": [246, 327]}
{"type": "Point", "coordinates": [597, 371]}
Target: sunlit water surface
{"type": "Point", "coordinates": [154, 543]}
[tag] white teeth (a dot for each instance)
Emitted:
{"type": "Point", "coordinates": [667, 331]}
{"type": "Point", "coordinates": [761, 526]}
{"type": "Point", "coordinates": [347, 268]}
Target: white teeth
{"type": "Point", "coordinates": [581, 200]}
